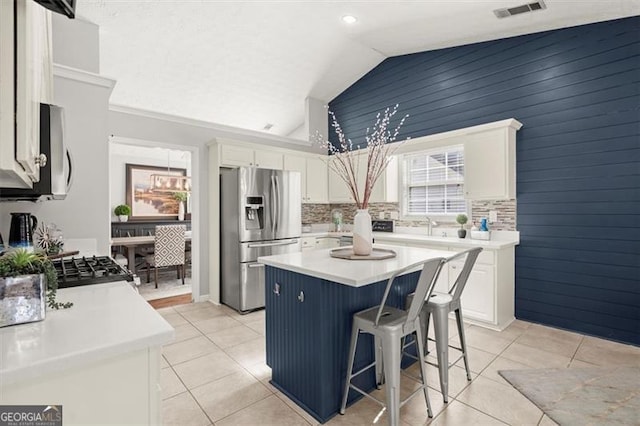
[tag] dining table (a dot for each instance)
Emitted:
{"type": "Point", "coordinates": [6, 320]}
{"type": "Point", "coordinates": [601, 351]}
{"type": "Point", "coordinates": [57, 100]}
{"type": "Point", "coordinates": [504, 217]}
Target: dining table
{"type": "Point", "coordinates": [131, 243]}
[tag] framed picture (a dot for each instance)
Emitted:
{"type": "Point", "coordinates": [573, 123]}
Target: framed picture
{"type": "Point", "coordinates": [145, 203]}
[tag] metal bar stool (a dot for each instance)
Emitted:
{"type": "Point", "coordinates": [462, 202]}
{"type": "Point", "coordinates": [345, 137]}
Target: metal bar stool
{"type": "Point", "coordinates": [389, 326]}
{"type": "Point", "coordinates": [439, 305]}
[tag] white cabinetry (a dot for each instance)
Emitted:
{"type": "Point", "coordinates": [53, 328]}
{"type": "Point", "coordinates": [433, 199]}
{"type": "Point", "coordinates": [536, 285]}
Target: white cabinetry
{"type": "Point", "coordinates": [25, 34]}
{"type": "Point", "coordinates": [490, 165]}
{"type": "Point", "coordinates": [327, 242]}
{"type": "Point", "coordinates": [313, 172]}
{"type": "Point", "coordinates": [308, 243]}
{"type": "Point", "coordinates": [236, 156]}
{"type": "Point", "coordinates": [489, 296]}
{"type": "Point", "coordinates": [385, 189]}
{"type": "Point", "coordinates": [317, 181]}
{"type": "Point", "coordinates": [130, 382]}
{"type": "Point", "coordinates": [479, 293]}
{"type": "Point", "coordinates": [320, 242]}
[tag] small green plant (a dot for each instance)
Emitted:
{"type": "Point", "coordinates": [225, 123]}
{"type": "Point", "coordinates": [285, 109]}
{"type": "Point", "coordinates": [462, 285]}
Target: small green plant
{"type": "Point", "coordinates": [180, 196]}
{"type": "Point", "coordinates": [122, 210]}
{"type": "Point", "coordinates": [21, 262]}
{"type": "Point", "coordinates": [462, 219]}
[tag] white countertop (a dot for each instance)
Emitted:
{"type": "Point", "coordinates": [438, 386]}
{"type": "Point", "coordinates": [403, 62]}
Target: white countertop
{"type": "Point", "coordinates": [326, 234]}
{"type": "Point", "coordinates": [106, 320]}
{"type": "Point", "coordinates": [493, 244]}
{"type": "Point", "coordinates": [508, 240]}
{"type": "Point", "coordinates": [355, 273]}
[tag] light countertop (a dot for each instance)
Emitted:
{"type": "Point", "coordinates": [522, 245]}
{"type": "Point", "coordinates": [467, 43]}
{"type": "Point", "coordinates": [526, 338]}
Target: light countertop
{"type": "Point", "coordinates": [355, 273]}
{"type": "Point", "coordinates": [493, 244]}
{"type": "Point", "coordinates": [106, 320]}
{"type": "Point", "coordinates": [508, 240]}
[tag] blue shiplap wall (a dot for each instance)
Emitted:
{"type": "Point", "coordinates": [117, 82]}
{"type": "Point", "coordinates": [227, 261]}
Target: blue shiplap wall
{"type": "Point", "coordinates": [576, 91]}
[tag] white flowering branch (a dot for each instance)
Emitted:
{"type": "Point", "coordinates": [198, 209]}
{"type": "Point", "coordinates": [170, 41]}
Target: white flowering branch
{"type": "Point", "coordinates": [344, 159]}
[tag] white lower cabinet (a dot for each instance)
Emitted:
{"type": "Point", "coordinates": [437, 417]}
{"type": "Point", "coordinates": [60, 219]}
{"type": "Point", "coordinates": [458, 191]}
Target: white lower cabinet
{"type": "Point", "coordinates": [489, 296]}
{"type": "Point", "coordinates": [123, 389]}
{"type": "Point", "coordinates": [308, 243]}
{"type": "Point", "coordinates": [320, 242]}
{"type": "Point", "coordinates": [479, 293]}
{"type": "Point", "coordinates": [327, 242]}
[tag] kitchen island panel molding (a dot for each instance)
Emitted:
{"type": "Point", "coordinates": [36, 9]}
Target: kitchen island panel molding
{"type": "Point", "coordinates": [308, 325]}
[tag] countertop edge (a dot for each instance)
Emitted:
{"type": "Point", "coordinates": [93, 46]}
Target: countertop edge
{"type": "Point", "coordinates": [301, 270]}
{"type": "Point", "coordinates": [321, 274]}
{"type": "Point", "coordinates": [161, 332]}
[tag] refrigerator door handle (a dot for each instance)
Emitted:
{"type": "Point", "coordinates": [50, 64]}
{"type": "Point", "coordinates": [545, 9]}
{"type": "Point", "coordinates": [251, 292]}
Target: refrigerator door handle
{"type": "Point", "coordinates": [278, 243]}
{"type": "Point", "coordinates": [273, 206]}
{"type": "Point", "coordinates": [277, 192]}
{"type": "Point", "coordinates": [255, 265]}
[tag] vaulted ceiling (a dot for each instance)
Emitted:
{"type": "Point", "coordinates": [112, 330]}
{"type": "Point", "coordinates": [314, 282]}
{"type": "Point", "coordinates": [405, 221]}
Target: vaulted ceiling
{"type": "Point", "coordinates": [252, 63]}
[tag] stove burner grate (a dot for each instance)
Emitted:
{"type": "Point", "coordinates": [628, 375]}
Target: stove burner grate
{"type": "Point", "coordinates": [89, 270]}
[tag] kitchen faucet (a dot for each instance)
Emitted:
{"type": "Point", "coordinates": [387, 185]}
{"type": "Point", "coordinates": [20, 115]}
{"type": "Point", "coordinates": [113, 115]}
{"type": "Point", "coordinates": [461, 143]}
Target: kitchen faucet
{"type": "Point", "coordinates": [430, 225]}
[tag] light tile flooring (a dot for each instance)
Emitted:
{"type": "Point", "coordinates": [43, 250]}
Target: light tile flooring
{"type": "Point", "coordinates": [215, 373]}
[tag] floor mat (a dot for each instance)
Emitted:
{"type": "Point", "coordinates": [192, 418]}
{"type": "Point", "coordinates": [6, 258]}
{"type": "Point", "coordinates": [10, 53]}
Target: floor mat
{"type": "Point", "coordinates": [582, 396]}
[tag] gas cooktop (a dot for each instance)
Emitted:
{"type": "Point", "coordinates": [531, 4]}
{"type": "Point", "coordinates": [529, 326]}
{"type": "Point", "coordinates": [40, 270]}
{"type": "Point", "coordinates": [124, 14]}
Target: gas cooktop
{"type": "Point", "coordinates": [89, 270]}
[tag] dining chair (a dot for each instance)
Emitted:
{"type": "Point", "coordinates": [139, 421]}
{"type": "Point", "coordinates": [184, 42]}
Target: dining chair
{"type": "Point", "coordinates": [389, 326]}
{"type": "Point", "coordinates": [169, 250]}
{"type": "Point", "coordinates": [440, 305]}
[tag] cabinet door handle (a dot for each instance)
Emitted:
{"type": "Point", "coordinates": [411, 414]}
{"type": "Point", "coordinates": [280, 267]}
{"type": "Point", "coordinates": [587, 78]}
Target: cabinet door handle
{"type": "Point", "coordinates": [41, 160]}
{"type": "Point", "coordinates": [276, 289]}
{"type": "Point", "coordinates": [301, 297]}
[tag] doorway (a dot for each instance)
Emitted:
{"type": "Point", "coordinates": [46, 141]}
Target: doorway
{"type": "Point", "coordinates": [130, 186]}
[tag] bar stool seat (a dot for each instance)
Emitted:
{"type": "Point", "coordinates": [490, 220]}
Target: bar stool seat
{"type": "Point", "coordinates": [439, 305]}
{"type": "Point", "coordinates": [389, 326]}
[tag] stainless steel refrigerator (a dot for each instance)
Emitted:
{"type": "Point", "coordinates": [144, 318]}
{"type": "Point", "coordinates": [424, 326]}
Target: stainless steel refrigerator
{"type": "Point", "coordinates": [260, 215]}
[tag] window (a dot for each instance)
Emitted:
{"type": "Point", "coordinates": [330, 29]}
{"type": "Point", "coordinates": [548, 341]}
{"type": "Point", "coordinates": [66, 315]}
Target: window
{"type": "Point", "coordinates": [433, 183]}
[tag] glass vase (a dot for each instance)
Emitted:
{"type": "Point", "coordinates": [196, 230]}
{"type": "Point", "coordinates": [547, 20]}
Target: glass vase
{"type": "Point", "coordinates": [362, 236]}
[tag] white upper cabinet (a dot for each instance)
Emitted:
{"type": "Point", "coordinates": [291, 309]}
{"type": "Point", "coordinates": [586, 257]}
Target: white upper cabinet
{"type": "Point", "coordinates": [489, 157]}
{"type": "Point", "coordinates": [385, 189]}
{"type": "Point", "coordinates": [490, 165]}
{"type": "Point", "coordinates": [338, 189]}
{"type": "Point", "coordinates": [28, 25]}
{"type": "Point", "coordinates": [237, 156]}
{"type": "Point", "coordinates": [317, 180]}
{"type": "Point", "coordinates": [313, 172]}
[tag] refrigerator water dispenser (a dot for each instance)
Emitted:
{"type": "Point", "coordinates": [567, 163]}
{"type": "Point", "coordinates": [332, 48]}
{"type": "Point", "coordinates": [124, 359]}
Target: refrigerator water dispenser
{"type": "Point", "coordinates": [254, 213]}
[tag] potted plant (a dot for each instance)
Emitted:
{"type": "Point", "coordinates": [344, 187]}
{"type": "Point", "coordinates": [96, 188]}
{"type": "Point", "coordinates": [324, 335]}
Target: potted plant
{"type": "Point", "coordinates": [123, 212]}
{"type": "Point", "coordinates": [25, 278]}
{"type": "Point", "coordinates": [462, 219]}
{"type": "Point", "coordinates": [180, 197]}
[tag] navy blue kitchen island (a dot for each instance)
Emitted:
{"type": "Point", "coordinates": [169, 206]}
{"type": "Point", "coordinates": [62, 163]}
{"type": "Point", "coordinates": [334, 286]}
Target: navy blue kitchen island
{"type": "Point", "coordinates": [310, 301]}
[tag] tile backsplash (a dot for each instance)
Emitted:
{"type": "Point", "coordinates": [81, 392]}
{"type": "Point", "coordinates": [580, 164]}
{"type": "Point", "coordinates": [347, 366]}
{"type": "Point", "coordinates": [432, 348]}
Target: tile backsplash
{"type": "Point", "coordinates": [506, 209]}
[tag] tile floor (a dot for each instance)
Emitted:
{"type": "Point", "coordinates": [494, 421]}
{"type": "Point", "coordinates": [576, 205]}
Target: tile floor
{"type": "Point", "coordinates": [215, 374]}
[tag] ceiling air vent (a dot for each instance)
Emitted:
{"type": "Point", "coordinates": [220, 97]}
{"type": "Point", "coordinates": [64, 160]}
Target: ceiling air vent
{"type": "Point", "coordinates": [511, 11]}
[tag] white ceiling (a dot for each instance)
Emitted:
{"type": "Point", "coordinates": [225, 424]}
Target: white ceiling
{"type": "Point", "coordinates": [249, 63]}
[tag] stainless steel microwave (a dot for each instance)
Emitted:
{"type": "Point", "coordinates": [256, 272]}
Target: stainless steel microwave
{"type": "Point", "coordinates": [55, 176]}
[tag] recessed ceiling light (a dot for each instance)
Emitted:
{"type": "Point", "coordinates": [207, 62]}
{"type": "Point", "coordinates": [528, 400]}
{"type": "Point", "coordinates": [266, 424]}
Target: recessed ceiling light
{"type": "Point", "coordinates": [349, 19]}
